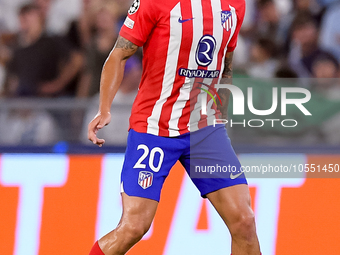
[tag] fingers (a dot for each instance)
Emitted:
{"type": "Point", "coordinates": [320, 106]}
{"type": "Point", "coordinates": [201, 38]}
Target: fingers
{"type": "Point", "coordinates": [98, 123]}
{"type": "Point", "coordinates": [92, 137]}
{"type": "Point", "coordinates": [100, 142]}
{"type": "Point", "coordinates": [95, 140]}
{"type": "Point", "coordinates": [93, 128]}
{"type": "Point", "coordinates": [101, 125]}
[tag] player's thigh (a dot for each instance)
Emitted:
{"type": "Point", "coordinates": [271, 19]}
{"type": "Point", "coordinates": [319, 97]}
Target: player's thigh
{"type": "Point", "coordinates": [148, 160]}
{"type": "Point", "coordinates": [232, 203]}
{"type": "Point", "coordinates": [211, 162]}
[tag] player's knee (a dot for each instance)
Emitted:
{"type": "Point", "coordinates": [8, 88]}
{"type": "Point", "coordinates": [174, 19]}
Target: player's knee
{"type": "Point", "coordinates": [135, 232]}
{"type": "Point", "coordinates": [244, 227]}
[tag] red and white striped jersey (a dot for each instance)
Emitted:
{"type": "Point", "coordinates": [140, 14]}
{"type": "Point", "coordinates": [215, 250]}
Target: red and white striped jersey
{"type": "Point", "coordinates": [184, 46]}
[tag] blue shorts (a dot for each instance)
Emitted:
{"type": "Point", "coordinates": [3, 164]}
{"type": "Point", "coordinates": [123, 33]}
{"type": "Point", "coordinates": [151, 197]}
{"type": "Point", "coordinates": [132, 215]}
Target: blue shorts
{"type": "Point", "coordinates": [206, 154]}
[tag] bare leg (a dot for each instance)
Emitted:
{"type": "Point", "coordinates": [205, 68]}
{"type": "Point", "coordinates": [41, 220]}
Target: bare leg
{"type": "Point", "coordinates": [233, 205]}
{"type": "Point", "coordinates": [136, 219]}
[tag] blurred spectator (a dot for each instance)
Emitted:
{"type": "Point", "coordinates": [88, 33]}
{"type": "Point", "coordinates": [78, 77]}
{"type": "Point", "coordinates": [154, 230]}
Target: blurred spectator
{"type": "Point", "coordinates": [285, 71]}
{"type": "Point", "coordinates": [300, 7]}
{"type": "Point", "coordinates": [308, 6]}
{"type": "Point", "coordinates": [331, 131]}
{"type": "Point", "coordinates": [327, 3]}
{"type": "Point", "coordinates": [330, 31]}
{"type": "Point", "coordinates": [82, 29]}
{"type": "Point", "coordinates": [124, 6]}
{"type": "Point", "coordinates": [50, 72]}
{"type": "Point", "coordinates": [99, 48]}
{"type": "Point", "coordinates": [326, 70]}
{"type": "Point", "coordinates": [269, 19]}
{"type": "Point", "coordinates": [8, 15]}
{"type": "Point", "coordinates": [325, 66]}
{"type": "Point", "coordinates": [304, 47]}
{"type": "Point", "coordinates": [264, 16]}
{"type": "Point", "coordinates": [25, 127]}
{"type": "Point", "coordinates": [283, 6]}
{"type": "Point", "coordinates": [263, 64]}
{"type": "Point", "coordinates": [58, 14]}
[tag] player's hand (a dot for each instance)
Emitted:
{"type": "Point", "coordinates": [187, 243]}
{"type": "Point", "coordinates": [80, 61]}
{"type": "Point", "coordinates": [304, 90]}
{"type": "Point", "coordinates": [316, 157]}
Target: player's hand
{"type": "Point", "coordinates": [99, 121]}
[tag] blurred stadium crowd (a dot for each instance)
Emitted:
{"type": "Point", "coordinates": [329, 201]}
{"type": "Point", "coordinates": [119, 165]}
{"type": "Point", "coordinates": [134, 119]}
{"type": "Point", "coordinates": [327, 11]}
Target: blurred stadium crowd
{"type": "Point", "coordinates": [55, 50]}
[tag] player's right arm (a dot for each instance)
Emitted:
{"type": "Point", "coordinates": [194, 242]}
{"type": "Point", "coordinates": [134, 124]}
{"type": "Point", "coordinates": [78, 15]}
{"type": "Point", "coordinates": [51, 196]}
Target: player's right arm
{"type": "Point", "coordinates": [227, 77]}
{"type": "Point", "coordinates": [111, 78]}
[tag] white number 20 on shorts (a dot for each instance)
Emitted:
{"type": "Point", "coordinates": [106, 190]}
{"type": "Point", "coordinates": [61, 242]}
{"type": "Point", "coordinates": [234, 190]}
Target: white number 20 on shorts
{"type": "Point", "coordinates": [153, 152]}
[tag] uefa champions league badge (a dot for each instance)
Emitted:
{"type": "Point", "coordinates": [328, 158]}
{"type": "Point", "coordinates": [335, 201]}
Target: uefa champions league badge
{"type": "Point", "coordinates": [145, 179]}
{"type": "Point", "coordinates": [134, 7]}
{"type": "Point", "coordinates": [227, 20]}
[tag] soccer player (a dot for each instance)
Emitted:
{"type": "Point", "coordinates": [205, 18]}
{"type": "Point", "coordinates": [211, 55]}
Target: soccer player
{"type": "Point", "coordinates": [188, 48]}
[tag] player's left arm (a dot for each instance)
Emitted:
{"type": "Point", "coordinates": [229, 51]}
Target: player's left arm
{"type": "Point", "coordinates": [227, 76]}
{"type": "Point", "coordinates": [111, 78]}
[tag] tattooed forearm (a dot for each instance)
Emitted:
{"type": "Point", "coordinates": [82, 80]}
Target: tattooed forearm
{"type": "Point", "coordinates": [228, 66]}
{"type": "Point", "coordinates": [128, 47]}
{"type": "Point", "coordinates": [226, 79]}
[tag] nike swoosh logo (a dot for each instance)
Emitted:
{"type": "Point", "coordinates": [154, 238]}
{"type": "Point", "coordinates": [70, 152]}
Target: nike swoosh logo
{"type": "Point", "coordinates": [233, 177]}
{"type": "Point", "coordinates": [180, 20]}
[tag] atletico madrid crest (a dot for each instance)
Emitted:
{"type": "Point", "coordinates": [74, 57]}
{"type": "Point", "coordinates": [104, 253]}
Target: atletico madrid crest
{"type": "Point", "coordinates": [145, 179]}
{"type": "Point", "coordinates": [227, 20]}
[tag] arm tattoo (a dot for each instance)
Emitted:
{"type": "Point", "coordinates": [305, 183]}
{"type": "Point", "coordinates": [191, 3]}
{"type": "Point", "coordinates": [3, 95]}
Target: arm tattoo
{"type": "Point", "coordinates": [228, 68]}
{"type": "Point", "coordinates": [128, 47]}
{"type": "Point", "coordinates": [226, 79]}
